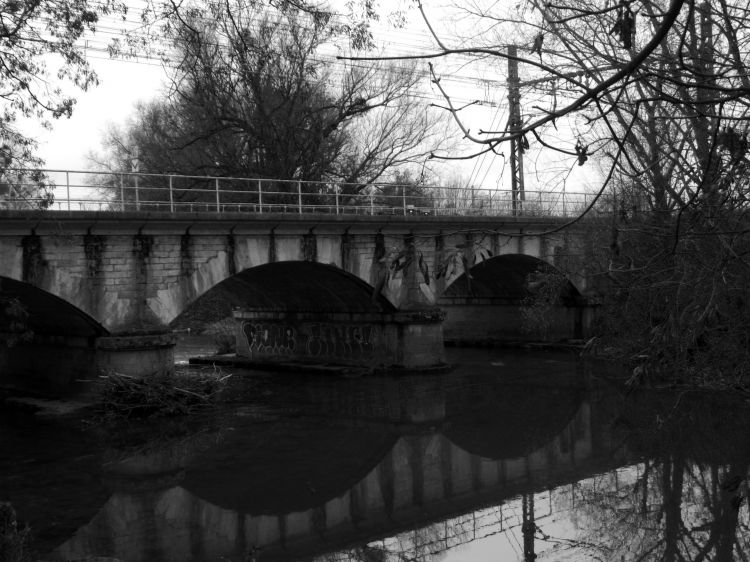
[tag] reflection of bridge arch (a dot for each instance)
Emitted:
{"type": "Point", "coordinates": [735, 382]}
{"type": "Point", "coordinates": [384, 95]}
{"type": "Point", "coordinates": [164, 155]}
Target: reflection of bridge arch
{"type": "Point", "coordinates": [504, 416]}
{"type": "Point", "coordinates": [421, 479]}
{"type": "Point", "coordinates": [390, 483]}
{"type": "Point", "coordinates": [295, 476]}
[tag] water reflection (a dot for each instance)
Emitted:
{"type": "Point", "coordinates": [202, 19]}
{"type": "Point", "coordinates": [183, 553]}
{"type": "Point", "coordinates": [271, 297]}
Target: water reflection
{"type": "Point", "coordinates": [511, 456]}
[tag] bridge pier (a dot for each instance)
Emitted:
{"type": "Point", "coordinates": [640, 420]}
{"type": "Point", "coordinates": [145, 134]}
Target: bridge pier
{"type": "Point", "coordinates": [136, 355]}
{"type": "Point", "coordinates": [70, 365]}
{"type": "Point", "coordinates": [486, 320]}
{"type": "Point", "coordinates": [398, 340]}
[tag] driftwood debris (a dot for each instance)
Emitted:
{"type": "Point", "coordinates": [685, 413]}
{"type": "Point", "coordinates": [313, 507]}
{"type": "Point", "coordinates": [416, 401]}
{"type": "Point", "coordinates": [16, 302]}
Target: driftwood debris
{"type": "Point", "coordinates": [159, 394]}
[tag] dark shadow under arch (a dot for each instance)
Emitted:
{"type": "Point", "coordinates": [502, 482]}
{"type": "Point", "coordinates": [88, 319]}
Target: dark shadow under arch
{"type": "Point", "coordinates": [290, 286]}
{"type": "Point", "coordinates": [45, 313]}
{"type": "Point", "coordinates": [502, 276]}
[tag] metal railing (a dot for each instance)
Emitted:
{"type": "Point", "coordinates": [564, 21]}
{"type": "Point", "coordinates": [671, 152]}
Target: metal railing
{"type": "Point", "coordinates": [119, 192]}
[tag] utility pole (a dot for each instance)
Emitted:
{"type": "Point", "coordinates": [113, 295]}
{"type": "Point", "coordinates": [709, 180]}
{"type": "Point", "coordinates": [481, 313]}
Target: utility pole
{"type": "Point", "coordinates": [528, 527]}
{"type": "Point", "coordinates": [135, 167]}
{"type": "Point", "coordinates": [514, 125]}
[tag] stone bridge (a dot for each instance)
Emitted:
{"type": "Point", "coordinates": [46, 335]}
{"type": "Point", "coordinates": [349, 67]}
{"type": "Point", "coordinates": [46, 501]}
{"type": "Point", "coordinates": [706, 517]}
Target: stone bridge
{"type": "Point", "coordinates": [103, 287]}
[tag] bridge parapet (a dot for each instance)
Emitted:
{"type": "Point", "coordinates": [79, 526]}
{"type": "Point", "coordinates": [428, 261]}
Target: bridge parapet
{"type": "Point", "coordinates": [76, 190]}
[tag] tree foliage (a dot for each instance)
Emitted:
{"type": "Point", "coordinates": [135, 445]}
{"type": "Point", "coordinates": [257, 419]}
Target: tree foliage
{"type": "Point", "coordinates": [41, 50]}
{"type": "Point", "coordinates": [253, 95]}
{"type": "Point", "coordinates": [33, 36]}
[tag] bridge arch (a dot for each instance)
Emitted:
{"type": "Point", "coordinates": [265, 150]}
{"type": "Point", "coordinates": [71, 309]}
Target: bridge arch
{"type": "Point", "coordinates": [485, 303]}
{"type": "Point", "coordinates": [288, 286]}
{"type": "Point", "coordinates": [45, 313]}
{"type": "Point", "coordinates": [48, 344]}
{"type": "Point", "coordinates": [502, 277]}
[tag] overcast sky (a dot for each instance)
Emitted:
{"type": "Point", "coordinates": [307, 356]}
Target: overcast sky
{"type": "Point", "coordinates": [123, 83]}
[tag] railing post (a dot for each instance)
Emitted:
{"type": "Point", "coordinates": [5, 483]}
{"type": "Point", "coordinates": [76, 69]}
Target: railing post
{"type": "Point", "coordinates": [299, 195]}
{"type": "Point", "coordinates": [171, 196]}
{"type": "Point", "coordinates": [218, 204]}
{"type": "Point", "coordinates": [403, 197]}
{"type": "Point", "coordinates": [67, 185]}
{"type": "Point", "coordinates": [122, 193]}
{"type": "Point", "coordinates": [372, 203]}
{"type": "Point", "coordinates": [260, 196]}
{"type": "Point", "coordinates": [337, 199]}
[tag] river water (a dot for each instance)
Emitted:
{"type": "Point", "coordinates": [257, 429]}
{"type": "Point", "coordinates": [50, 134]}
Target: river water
{"type": "Point", "coordinates": [512, 455]}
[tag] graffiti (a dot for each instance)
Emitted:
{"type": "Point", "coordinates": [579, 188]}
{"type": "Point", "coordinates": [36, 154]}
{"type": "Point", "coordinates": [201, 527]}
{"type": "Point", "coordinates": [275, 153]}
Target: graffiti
{"type": "Point", "coordinates": [270, 339]}
{"type": "Point", "coordinates": [319, 340]}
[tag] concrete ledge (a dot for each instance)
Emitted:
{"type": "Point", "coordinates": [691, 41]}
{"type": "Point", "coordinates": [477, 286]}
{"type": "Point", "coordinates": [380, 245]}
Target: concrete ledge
{"type": "Point", "coordinates": [137, 355]}
{"type": "Point", "coordinates": [102, 222]}
{"type": "Point", "coordinates": [139, 342]}
{"type": "Point", "coordinates": [305, 367]}
{"type": "Point", "coordinates": [421, 316]}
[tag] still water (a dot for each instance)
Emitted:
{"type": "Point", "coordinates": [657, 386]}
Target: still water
{"type": "Point", "coordinates": [511, 456]}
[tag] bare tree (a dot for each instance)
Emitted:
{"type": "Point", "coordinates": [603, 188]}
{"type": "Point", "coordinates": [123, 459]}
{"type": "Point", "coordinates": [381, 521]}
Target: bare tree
{"type": "Point", "coordinates": [600, 80]}
{"type": "Point", "coordinates": [657, 92]}
{"type": "Point", "coordinates": [252, 94]}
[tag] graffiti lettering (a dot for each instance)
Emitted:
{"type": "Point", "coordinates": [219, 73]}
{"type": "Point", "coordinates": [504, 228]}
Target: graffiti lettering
{"type": "Point", "coordinates": [317, 340]}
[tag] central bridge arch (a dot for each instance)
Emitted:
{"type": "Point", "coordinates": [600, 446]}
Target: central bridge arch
{"type": "Point", "coordinates": [289, 286]}
{"type": "Point", "coordinates": [318, 313]}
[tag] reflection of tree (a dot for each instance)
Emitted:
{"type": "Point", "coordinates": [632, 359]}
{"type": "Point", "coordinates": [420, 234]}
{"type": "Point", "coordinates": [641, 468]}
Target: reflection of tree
{"type": "Point", "coordinates": [682, 503]}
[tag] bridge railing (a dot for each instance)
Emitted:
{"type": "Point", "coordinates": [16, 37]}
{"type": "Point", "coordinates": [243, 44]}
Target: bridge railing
{"type": "Point", "coordinates": [116, 192]}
